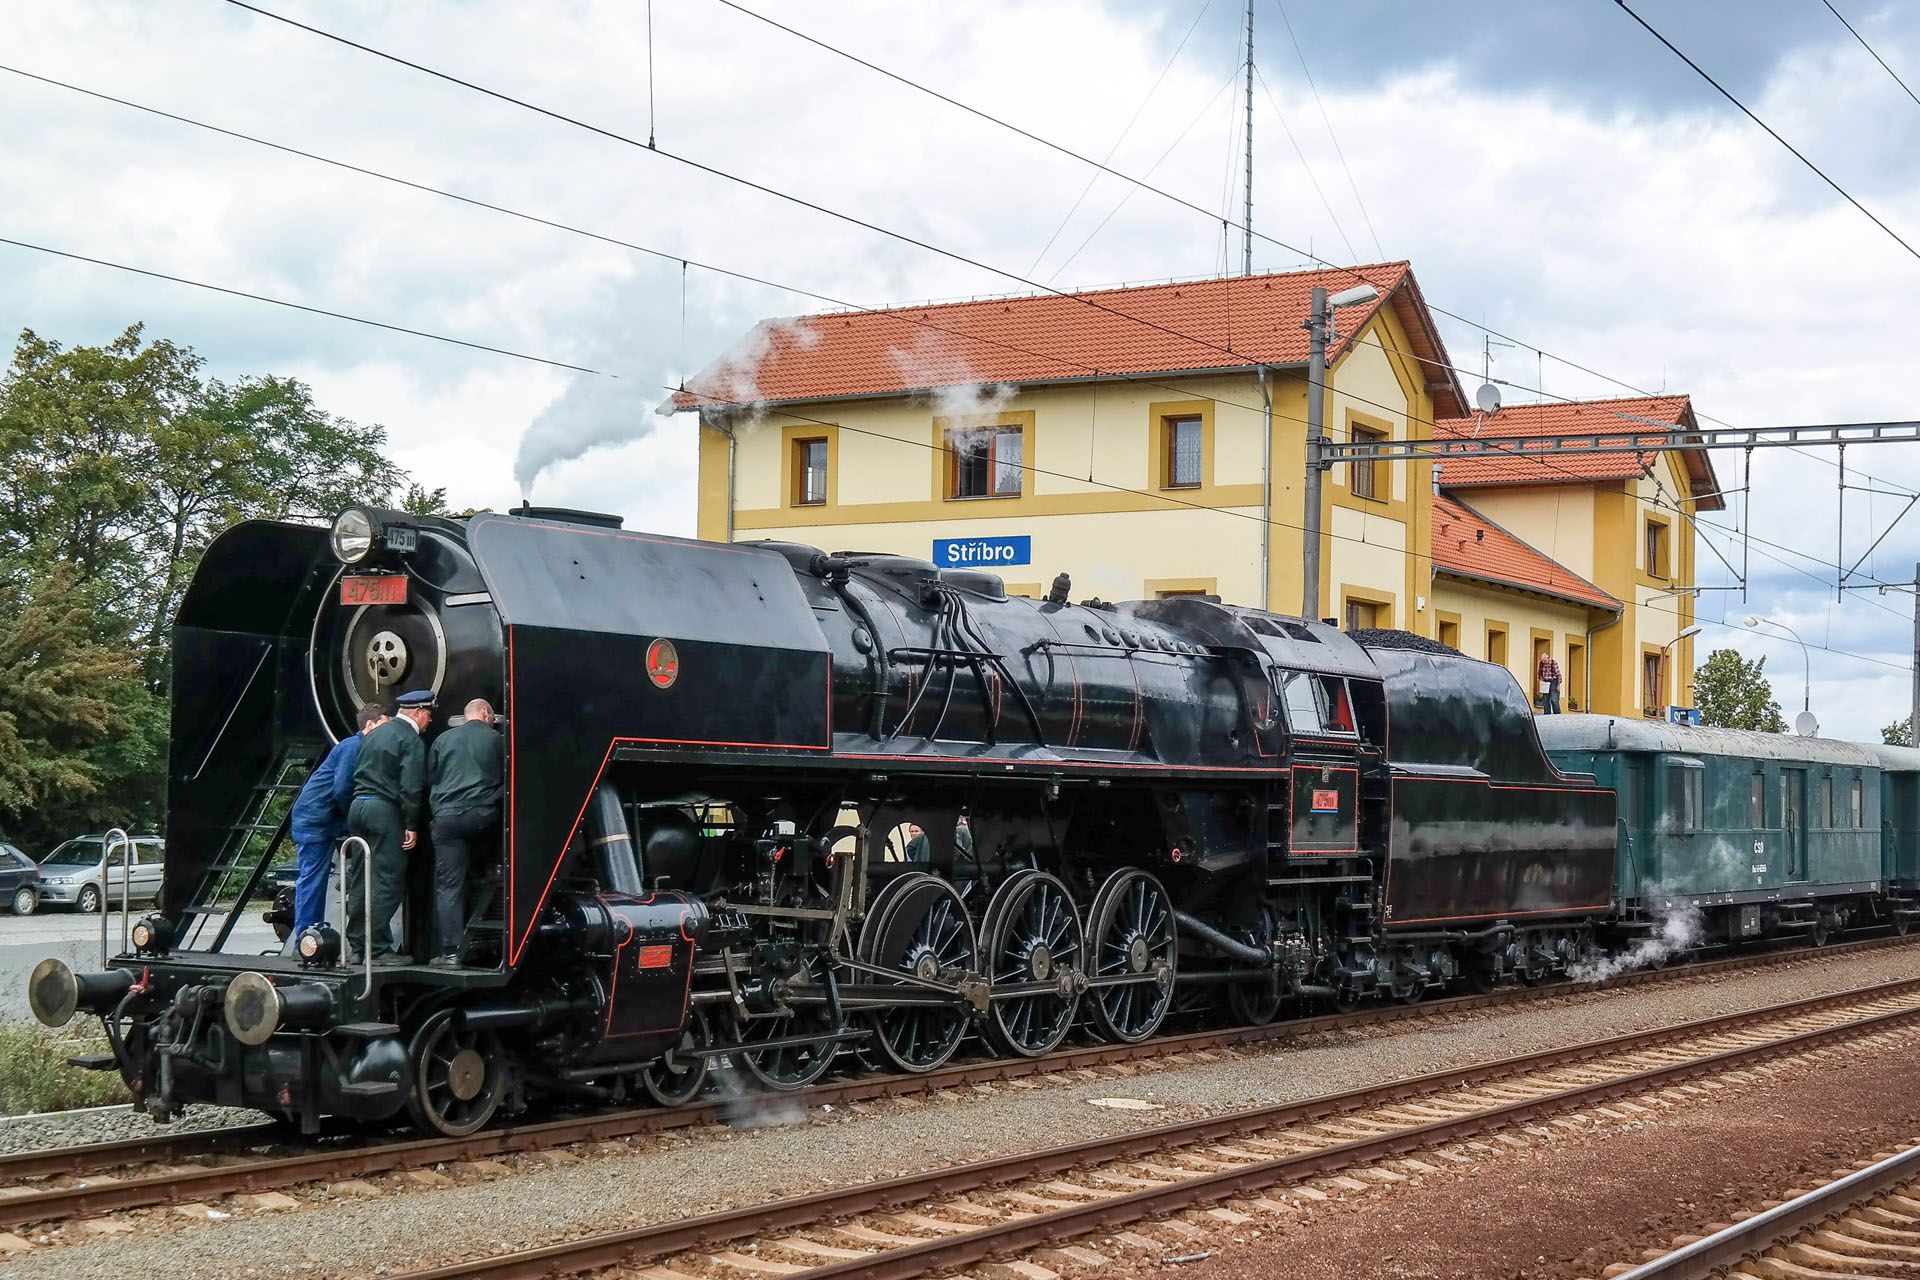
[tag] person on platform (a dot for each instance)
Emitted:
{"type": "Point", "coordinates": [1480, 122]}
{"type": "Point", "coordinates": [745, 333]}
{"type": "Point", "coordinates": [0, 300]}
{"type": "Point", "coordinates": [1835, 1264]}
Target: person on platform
{"type": "Point", "coordinates": [389, 786]}
{"type": "Point", "coordinates": [464, 769]}
{"type": "Point", "coordinates": [319, 819]}
{"type": "Point", "coordinates": [1548, 675]}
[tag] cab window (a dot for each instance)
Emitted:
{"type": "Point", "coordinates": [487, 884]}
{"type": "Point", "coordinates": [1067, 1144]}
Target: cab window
{"type": "Point", "coordinates": [1301, 694]}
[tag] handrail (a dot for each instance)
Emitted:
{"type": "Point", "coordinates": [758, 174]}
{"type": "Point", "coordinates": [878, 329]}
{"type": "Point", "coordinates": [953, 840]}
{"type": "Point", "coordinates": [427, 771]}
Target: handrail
{"type": "Point", "coordinates": [107, 844]}
{"type": "Point", "coordinates": [366, 927]}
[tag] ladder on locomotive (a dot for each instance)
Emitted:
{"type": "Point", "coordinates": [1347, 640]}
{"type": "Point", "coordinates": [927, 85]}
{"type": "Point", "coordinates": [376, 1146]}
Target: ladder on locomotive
{"type": "Point", "coordinates": [233, 878]}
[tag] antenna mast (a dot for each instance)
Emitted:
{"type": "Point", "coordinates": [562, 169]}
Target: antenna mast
{"type": "Point", "coordinates": [1246, 219]}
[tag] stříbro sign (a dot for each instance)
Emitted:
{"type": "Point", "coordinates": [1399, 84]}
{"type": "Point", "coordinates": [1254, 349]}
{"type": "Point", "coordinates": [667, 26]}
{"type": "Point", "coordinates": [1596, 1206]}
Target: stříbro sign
{"type": "Point", "coordinates": [982, 553]}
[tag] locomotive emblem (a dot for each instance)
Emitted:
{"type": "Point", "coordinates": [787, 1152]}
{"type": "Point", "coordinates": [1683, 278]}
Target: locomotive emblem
{"type": "Point", "coordinates": [663, 663]}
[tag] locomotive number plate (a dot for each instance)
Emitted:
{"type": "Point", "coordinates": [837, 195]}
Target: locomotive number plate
{"type": "Point", "coordinates": [1326, 802]}
{"type": "Point", "coordinates": [384, 588]}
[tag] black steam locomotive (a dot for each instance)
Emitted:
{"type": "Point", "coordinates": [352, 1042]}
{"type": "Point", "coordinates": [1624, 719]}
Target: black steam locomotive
{"type": "Point", "coordinates": [770, 808]}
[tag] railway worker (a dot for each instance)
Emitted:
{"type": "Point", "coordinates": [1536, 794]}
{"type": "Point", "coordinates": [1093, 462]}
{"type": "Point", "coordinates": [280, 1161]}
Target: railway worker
{"type": "Point", "coordinates": [319, 819]}
{"type": "Point", "coordinates": [1548, 675]}
{"type": "Point", "coordinates": [389, 785]}
{"type": "Point", "coordinates": [464, 770]}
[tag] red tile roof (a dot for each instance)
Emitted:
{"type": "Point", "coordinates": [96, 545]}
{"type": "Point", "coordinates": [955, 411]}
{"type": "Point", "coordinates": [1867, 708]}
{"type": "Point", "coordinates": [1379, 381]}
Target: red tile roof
{"type": "Point", "coordinates": [1468, 545]}
{"type": "Point", "coordinates": [1576, 418]}
{"type": "Point", "coordinates": [1184, 328]}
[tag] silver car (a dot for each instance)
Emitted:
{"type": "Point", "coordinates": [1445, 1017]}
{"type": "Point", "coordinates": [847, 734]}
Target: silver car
{"type": "Point", "coordinates": [73, 874]}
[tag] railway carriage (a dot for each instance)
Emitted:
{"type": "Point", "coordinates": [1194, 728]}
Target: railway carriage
{"type": "Point", "coordinates": [1763, 834]}
{"type": "Point", "coordinates": [717, 756]}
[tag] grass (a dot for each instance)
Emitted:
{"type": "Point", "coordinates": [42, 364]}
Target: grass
{"type": "Point", "coordinates": [34, 1075]}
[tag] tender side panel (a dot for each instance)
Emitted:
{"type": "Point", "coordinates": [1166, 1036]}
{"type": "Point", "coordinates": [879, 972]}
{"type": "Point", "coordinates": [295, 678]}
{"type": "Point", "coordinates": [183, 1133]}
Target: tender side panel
{"type": "Point", "coordinates": [1466, 849]}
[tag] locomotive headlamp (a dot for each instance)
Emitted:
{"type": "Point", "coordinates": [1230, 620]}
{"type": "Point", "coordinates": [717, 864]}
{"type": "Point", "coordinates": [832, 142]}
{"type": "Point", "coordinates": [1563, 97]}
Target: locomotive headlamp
{"type": "Point", "coordinates": [353, 532]}
{"type": "Point", "coordinates": [153, 936]}
{"type": "Point", "coordinates": [317, 945]}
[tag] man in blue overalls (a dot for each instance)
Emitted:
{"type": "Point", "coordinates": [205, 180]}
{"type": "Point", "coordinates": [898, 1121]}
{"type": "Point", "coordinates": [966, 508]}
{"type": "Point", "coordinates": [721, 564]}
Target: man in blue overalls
{"type": "Point", "coordinates": [320, 820]}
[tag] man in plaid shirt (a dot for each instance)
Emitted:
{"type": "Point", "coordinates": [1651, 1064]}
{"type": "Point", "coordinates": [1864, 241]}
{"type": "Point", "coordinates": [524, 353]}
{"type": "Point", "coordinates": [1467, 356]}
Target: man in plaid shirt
{"type": "Point", "coordinates": [1548, 676]}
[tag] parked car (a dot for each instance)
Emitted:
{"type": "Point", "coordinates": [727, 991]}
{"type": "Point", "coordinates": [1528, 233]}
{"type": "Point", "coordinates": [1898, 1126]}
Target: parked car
{"type": "Point", "coordinates": [73, 875]}
{"type": "Point", "coordinates": [19, 880]}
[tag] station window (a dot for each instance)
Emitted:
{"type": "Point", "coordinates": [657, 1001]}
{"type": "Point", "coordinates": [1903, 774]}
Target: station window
{"type": "Point", "coordinates": [1757, 803]}
{"type": "Point", "coordinates": [1658, 549]}
{"type": "Point", "coordinates": [1826, 802]}
{"type": "Point", "coordinates": [1686, 796]}
{"type": "Point", "coordinates": [1652, 685]}
{"type": "Point", "coordinates": [1365, 481]}
{"type": "Point", "coordinates": [809, 473]}
{"type": "Point", "coordinates": [1496, 645]}
{"type": "Point", "coordinates": [1856, 805]}
{"type": "Point", "coordinates": [1185, 451]}
{"type": "Point", "coordinates": [1362, 615]}
{"type": "Point", "coordinates": [987, 463]}
{"type": "Point", "coordinates": [1449, 634]}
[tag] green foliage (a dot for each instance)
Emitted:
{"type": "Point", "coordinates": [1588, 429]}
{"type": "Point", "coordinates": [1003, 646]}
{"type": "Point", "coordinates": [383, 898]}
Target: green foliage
{"type": "Point", "coordinates": [119, 464]}
{"type": "Point", "coordinates": [34, 1075]}
{"type": "Point", "coordinates": [1733, 693]}
{"type": "Point", "coordinates": [1898, 734]}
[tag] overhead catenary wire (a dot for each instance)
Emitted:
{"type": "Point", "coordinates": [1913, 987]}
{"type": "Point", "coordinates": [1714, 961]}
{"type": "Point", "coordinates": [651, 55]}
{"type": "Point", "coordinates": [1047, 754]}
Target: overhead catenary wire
{"type": "Point", "coordinates": [1870, 49]}
{"type": "Point", "coordinates": [855, 220]}
{"type": "Point", "coordinates": [1771, 131]}
{"type": "Point", "coordinates": [1327, 120]}
{"type": "Point", "coordinates": [1287, 129]}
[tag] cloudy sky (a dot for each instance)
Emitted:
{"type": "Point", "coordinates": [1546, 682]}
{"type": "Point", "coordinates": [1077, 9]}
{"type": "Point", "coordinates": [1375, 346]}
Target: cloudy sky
{"type": "Point", "coordinates": [1550, 170]}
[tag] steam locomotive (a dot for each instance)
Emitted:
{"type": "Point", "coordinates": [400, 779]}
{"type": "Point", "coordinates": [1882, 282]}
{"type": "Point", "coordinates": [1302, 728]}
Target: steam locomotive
{"type": "Point", "coordinates": [769, 809]}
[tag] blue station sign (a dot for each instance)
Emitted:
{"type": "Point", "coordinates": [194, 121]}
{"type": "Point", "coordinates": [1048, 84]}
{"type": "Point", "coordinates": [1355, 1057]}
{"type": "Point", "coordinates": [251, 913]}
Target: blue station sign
{"type": "Point", "coordinates": [982, 553]}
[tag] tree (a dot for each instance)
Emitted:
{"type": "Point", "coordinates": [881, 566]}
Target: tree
{"type": "Point", "coordinates": [1733, 693]}
{"type": "Point", "coordinates": [1898, 734]}
{"type": "Point", "coordinates": [119, 464]}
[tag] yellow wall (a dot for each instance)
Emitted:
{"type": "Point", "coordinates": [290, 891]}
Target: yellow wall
{"type": "Point", "coordinates": [1522, 616]}
{"type": "Point", "coordinates": [1556, 519]}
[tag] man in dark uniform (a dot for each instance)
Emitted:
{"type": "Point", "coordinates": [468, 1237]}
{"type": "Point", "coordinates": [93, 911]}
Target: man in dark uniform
{"type": "Point", "coordinates": [389, 783]}
{"type": "Point", "coordinates": [320, 819]}
{"type": "Point", "coordinates": [464, 769]}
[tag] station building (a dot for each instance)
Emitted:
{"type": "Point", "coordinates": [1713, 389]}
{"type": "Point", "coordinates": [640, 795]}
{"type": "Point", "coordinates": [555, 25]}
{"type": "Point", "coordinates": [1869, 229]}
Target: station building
{"type": "Point", "coordinates": [1150, 441]}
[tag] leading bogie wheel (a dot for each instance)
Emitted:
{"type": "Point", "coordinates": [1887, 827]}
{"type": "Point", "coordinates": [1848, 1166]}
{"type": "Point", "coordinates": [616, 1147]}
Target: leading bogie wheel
{"type": "Point", "coordinates": [458, 1076]}
{"type": "Point", "coordinates": [1034, 944]}
{"type": "Point", "coordinates": [1130, 938]}
{"type": "Point", "coordinates": [677, 1077]}
{"type": "Point", "coordinates": [919, 926]}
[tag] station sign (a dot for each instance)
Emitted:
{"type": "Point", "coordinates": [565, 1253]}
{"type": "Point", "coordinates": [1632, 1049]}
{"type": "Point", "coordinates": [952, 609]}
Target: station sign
{"type": "Point", "coordinates": [982, 552]}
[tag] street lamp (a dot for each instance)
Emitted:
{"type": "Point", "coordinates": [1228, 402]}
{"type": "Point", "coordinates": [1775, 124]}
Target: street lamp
{"type": "Point", "coordinates": [1693, 630]}
{"type": "Point", "coordinates": [1804, 724]}
{"type": "Point", "coordinates": [1319, 327]}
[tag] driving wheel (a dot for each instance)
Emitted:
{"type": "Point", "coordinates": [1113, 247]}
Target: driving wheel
{"type": "Point", "coordinates": [1034, 944]}
{"type": "Point", "coordinates": [798, 1050]}
{"type": "Point", "coordinates": [920, 927]}
{"type": "Point", "coordinates": [1131, 938]}
{"type": "Point", "coordinates": [457, 1076]}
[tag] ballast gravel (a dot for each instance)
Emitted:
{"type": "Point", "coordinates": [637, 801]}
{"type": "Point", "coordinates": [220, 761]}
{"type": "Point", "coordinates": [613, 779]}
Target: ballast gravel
{"type": "Point", "coordinates": [777, 1148]}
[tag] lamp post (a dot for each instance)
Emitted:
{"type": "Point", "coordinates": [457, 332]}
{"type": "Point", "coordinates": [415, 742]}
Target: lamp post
{"type": "Point", "coordinates": [1319, 327]}
{"type": "Point", "coordinates": [1693, 630]}
{"type": "Point", "coordinates": [1804, 724]}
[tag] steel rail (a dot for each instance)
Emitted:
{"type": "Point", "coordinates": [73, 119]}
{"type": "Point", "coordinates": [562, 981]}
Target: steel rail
{"type": "Point", "coordinates": [1732, 1245]}
{"type": "Point", "coordinates": [1034, 1230]}
{"type": "Point", "coordinates": [178, 1186]}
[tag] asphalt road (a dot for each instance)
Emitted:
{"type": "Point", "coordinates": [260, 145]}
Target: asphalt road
{"type": "Point", "coordinates": [27, 940]}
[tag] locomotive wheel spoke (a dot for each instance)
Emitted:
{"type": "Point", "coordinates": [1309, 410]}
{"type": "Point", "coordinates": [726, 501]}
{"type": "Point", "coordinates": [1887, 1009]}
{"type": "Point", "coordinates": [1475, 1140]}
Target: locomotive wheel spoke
{"type": "Point", "coordinates": [1132, 931]}
{"type": "Point", "coordinates": [921, 927]}
{"type": "Point", "coordinates": [674, 1081]}
{"type": "Point", "coordinates": [458, 1077]}
{"type": "Point", "coordinates": [1033, 937]}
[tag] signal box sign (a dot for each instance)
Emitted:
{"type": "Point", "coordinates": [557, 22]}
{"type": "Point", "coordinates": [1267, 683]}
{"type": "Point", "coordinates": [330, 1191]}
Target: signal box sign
{"type": "Point", "coordinates": [379, 588]}
{"type": "Point", "coordinates": [982, 553]}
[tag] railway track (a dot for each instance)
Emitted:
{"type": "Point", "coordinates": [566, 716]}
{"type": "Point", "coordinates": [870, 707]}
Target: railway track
{"type": "Point", "coordinates": [1001, 1208]}
{"type": "Point", "coordinates": [1867, 1222]}
{"type": "Point", "coordinates": [191, 1168]}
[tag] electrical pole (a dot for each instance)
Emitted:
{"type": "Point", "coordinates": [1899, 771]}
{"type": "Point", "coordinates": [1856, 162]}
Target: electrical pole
{"type": "Point", "coordinates": [1318, 314]}
{"type": "Point", "coordinates": [1913, 716]}
{"type": "Point", "coordinates": [1246, 213]}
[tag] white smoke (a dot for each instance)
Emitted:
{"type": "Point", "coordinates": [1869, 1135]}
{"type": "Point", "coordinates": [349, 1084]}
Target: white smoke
{"type": "Point", "coordinates": [947, 381]}
{"type": "Point", "coordinates": [1677, 930]}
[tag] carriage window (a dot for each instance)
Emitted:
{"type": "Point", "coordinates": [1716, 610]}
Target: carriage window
{"type": "Point", "coordinates": [1301, 694]}
{"type": "Point", "coordinates": [1826, 802]}
{"type": "Point", "coordinates": [1685, 796]}
{"type": "Point", "coordinates": [1757, 806]}
{"type": "Point", "coordinates": [1856, 809]}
